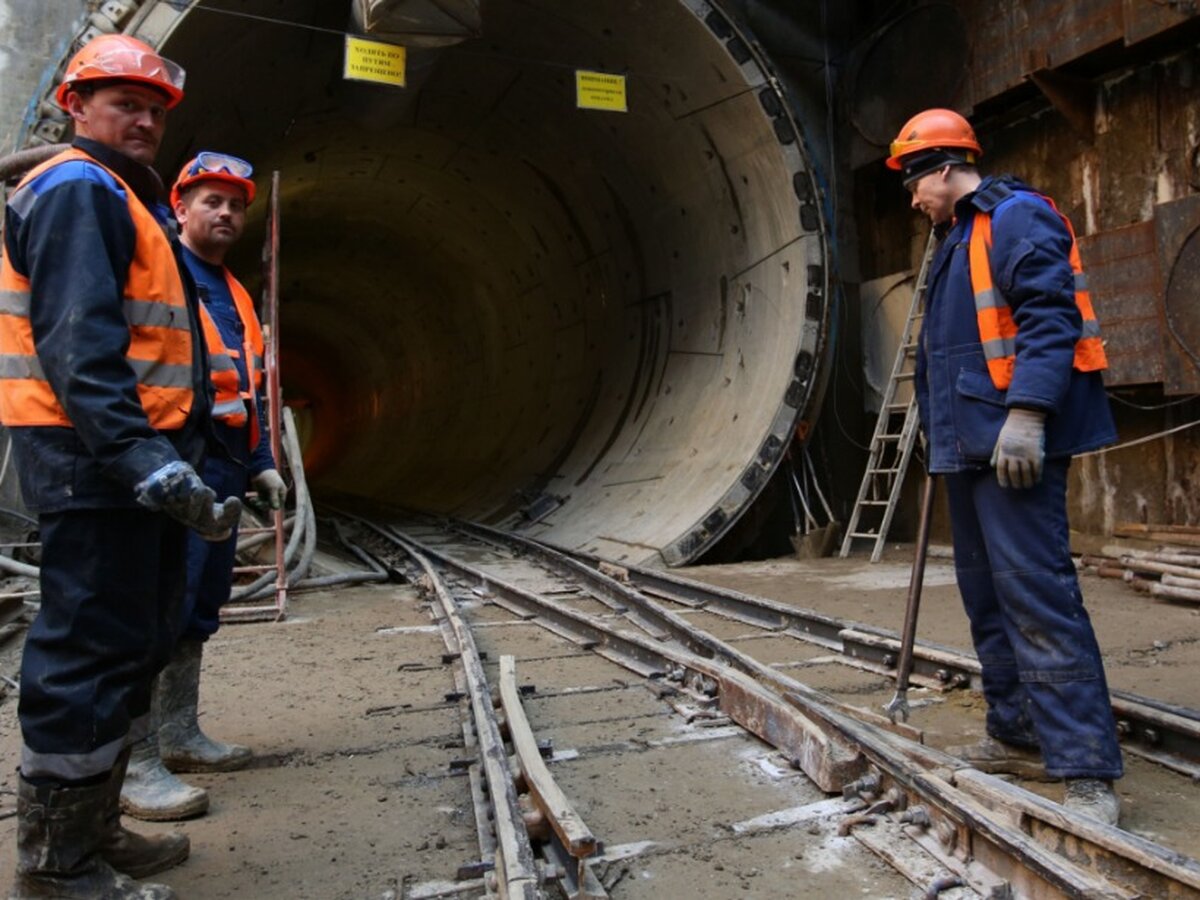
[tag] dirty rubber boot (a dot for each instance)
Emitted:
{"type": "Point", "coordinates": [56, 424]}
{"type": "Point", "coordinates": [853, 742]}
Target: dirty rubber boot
{"type": "Point", "coordinates": [998, 758]}
{"type": "Point", "coordinates": [137, 855]}
{"type": "Point", "coordinates": [184, 747]}
{"type": "Point", "coordinates": [59, 831]}
{"type": "Point", "coordinates": [152, 793]}
{"type": "Point", "coordinates": [1093, 797]}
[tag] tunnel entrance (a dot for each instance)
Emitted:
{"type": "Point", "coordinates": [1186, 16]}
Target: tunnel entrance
{"type": "Point", "coordinates": [599, 327]}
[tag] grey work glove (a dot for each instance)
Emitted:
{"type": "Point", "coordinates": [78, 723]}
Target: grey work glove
{"type": "Point", "coordinates": [177, 490]}
{"type": "Point", "coordinates": [1021, 449]}
{"type": "Point", "coordinates": [270, 487]}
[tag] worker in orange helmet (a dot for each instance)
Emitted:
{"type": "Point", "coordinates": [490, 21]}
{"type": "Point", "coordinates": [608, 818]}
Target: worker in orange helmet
{"type": "Point", "coordinates": [209, 198]}
{"type": "Point", "coordinates": [104, 390]}
{"type": "Point", "coordinates": [1009, 386]}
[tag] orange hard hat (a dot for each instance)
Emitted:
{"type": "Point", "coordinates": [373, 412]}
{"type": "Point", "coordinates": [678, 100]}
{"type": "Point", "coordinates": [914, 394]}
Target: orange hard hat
{"type": "Point", "coordinates": [933, 129]}
{"type": "Point", "coordinates": [119, 57]}
{"type": "Point", "coordinates": [209, 166]}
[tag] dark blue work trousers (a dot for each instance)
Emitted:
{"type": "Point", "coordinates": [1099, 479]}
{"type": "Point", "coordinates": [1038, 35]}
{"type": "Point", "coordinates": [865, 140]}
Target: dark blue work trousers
{"type": "Point", "coordinates": [112, 585]}
{"type": "Point", "coordinates": [210, 563]}
{"type": "Point", "coordinates": [1043, 677]}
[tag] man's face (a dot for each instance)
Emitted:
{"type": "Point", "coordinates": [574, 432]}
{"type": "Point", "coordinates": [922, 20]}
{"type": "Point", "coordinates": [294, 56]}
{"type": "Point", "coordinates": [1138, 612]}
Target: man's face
{"type": "Point", "coordinates": [212, 216]}
{"type": "Point", "coordinates": [129, 118]}
{"type": "Point", "coordinates": [932, 196]}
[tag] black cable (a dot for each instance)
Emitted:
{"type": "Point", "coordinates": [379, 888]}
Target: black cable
{"type": "Point", "coordinates": [1151, 406]}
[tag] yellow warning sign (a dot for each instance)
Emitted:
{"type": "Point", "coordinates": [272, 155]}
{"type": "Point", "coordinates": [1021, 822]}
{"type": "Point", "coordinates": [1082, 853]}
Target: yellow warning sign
{"type": "Point", "coordinates": [600, 90]}
{"type": "Point", "coordinates": [374, 61]}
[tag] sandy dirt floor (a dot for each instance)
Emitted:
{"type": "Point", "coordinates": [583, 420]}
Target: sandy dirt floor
{"type": "Point", "coordinates": [356, 792]}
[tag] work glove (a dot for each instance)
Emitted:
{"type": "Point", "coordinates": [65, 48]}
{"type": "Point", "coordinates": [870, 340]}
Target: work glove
{"type": "Point", "coordinates": [270, 487]}
{"type": "Point", "coordinates": [177, 490]}
{"type": "Point", "coordinates": [1021, 449]}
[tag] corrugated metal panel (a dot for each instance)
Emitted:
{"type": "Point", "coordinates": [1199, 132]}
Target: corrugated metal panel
{"type": "Point", "coordinates": [1058, 32]}
{"type": "Point", "coordinates": [1016, 37]}
{"type": "Point", "coordinates": [1122, 272]}
{"type": "Point", "coordinates": [1146, 18]}
{"type": "Point", "coordinates": [1013, 38]}
{"type": "Point", "coordinates": [996, 63]}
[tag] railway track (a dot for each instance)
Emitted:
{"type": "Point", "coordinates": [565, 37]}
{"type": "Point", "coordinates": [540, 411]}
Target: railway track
{"type": "Point", "coordinates": [720, 666]}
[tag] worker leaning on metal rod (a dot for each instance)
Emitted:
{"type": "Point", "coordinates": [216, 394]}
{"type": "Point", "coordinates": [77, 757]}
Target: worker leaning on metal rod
{"type": "Point", "coordinates": [1008, 379]}
{"type": "Point", "coordinates": [209, 198]}
{"type": "Point", "coordinates": [104, 387]}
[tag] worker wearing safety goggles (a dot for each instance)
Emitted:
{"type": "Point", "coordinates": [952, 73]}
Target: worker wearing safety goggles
{"type": "Point", "coordinates": [1009, 386]}
{"type": "Point", "coordinates": [104, 390]}
{"type": "Point", "coordinates": [209, 198]}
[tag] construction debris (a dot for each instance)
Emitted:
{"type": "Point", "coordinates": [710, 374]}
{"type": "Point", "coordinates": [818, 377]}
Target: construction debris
{"type": "Point", "coordinates": [1171, 571]}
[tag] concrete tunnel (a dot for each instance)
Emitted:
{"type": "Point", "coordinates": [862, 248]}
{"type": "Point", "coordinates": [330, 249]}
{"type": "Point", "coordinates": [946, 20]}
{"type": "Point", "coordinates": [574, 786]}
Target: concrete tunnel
{"type": "Point", "coordinates": [600, 327]}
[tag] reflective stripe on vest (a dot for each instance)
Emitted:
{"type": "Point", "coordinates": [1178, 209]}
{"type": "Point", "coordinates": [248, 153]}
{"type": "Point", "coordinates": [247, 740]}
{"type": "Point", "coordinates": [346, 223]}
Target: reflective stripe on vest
{"type": "Point", "coordinates": [155, 307]}
{"type": "Point", "coordinates": [998, 330]}
{"type": "Point", "coordinates": [231, 405]}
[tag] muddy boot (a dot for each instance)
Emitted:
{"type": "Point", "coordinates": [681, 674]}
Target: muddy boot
{"type": "Point", "coordinates": [59, 832]}
{"type": "Point", "coordinates": [152, 793]}
{"type": "Point", "coordinates": [999, 758]}
{"type": "Point", "coordinates": [184, 747]}
{"type": "Point", "coordinates": [137, 855]}
{"type": "Point", "coordinates": [1093, 797]}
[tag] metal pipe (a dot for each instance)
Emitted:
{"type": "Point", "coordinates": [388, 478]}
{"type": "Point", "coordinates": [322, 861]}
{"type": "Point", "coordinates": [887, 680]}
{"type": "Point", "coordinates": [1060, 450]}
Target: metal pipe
{"type": "Point", "coordinates": [17, 164]}
{"type": "Point", "coordinates": [13, 567]}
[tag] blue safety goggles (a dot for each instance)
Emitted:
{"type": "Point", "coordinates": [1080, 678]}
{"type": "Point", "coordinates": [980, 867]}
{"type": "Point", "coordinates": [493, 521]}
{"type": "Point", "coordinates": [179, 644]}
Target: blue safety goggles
{"type": "Point", "coordinates": [209, 163]}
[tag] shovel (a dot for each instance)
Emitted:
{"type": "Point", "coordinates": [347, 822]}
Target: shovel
{"type": "Point", "coordinates": [898, 706]}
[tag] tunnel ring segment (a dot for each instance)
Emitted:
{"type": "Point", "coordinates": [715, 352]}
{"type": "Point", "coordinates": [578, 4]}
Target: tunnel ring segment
{"type": "Point", "coordinates": [155, 20]}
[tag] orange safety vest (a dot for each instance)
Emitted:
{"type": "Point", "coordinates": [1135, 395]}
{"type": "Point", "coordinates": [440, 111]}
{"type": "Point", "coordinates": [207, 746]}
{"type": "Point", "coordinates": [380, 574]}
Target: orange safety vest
{"type": "Point", "coordinates": [155, 305]}
{"type": "Point", "coordinates": [231, 405]}
{"type": "Point", "coordinates": [998, 331]}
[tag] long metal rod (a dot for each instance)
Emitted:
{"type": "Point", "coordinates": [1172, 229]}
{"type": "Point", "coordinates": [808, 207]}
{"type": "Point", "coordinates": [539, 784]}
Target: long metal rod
{"type": "Point", "coordinates": [897, 707]}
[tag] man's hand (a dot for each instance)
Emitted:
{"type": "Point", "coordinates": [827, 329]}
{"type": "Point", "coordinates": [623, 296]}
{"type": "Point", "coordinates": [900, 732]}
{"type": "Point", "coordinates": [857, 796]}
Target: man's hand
{"type": "Point", "coordinates": [270, 487]}
{"type": "Point", "coordinates": [177, 490]}
{"type": "Point", "coordinates": [1020, 449]}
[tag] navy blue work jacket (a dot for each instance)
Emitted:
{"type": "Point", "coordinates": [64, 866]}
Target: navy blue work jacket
{"type": "Point", "coordinates": [69, 231]}
{"type": "Point", "coordinates": [962, 411]}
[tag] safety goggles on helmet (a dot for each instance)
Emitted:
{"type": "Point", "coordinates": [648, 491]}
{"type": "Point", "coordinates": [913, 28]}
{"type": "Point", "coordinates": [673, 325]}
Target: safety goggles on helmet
{"type": "Point", "coordinates": [211, 166]}
{"type": "Point", "coordinates": [210, 163]}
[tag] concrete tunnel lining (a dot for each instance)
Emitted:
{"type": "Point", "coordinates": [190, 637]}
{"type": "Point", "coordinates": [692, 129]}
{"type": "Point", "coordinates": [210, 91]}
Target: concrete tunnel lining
{"type": "Point", "coordinates": [491, 297]}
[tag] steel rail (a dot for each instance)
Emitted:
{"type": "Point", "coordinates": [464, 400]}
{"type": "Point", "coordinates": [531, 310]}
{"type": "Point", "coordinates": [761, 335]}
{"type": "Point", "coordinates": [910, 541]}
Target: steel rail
{"type": "Point", "coordinates": [662, 621]}
{"type": "Point", "coordinates": [1161, 732]}
{"type": "Point", "coordinates": [516, 872]}
{"type": "Point", "coordinates": [828, 761]}
{"type": "Point", "coordinates": [1037, 846]}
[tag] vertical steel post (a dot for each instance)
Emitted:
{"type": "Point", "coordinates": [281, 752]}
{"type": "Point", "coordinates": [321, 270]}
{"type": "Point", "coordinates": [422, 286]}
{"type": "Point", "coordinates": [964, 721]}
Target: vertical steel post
{"type": "Point", "coordinates": [274, 394]}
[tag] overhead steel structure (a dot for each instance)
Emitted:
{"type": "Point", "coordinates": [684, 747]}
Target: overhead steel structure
{"type": "Point", "coordinates": [601, 327]}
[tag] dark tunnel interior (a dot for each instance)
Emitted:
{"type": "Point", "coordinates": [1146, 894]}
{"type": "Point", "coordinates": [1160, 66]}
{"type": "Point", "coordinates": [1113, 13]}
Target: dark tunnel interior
{"type": "Point", "coordinates": [601, 327]}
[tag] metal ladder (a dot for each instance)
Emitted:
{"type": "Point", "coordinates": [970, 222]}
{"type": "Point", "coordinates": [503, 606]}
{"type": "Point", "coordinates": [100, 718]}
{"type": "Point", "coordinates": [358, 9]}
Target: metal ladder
{"type": "Point", "coordinates": [894, 438]}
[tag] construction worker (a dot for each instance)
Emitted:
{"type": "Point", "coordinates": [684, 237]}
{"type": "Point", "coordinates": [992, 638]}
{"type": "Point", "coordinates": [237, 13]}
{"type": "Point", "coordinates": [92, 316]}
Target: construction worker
{"type": "Point", "coordinates": [104, 388]}
{"type": "Point", "coordinates": [209, 198]}
{"type": "Point", "coordinates": [1009, 386]}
